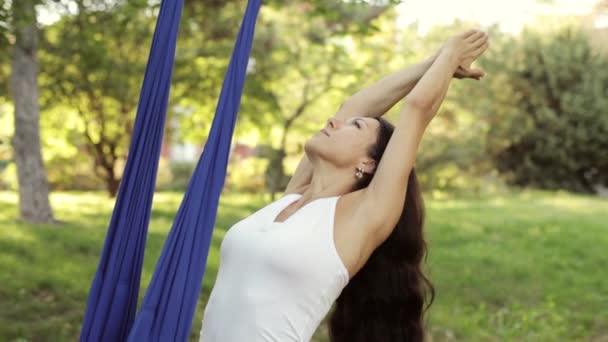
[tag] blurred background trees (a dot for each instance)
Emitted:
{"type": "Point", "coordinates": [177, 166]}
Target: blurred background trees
{"type": "Point", "coordinates": [70, 76]}
{"type": "Point", "coordinates": [557, 134]}
{"type": "Point", "coordinates": [538, 119]}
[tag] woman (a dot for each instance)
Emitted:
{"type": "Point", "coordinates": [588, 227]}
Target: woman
{"type": "Point", "coordinates": [348, 228]}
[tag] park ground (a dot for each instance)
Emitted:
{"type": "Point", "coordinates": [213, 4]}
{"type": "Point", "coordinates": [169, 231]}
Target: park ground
{"type": "Point", "coordinates": [521, 265]}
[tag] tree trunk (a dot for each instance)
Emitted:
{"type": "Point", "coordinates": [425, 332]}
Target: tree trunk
{"type": "Point", "coordinates": [112, 185]}
{"type": "Point", "coordinates": [34, 203]}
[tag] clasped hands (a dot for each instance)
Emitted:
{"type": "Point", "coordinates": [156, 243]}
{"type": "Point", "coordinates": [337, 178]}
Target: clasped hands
{"type": "Point", "coordinates": [466, 47]}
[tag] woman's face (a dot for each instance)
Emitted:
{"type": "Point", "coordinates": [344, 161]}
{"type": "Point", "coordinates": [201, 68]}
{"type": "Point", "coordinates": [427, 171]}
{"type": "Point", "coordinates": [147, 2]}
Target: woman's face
{"type": "Point", "coordinates": [344, 142]}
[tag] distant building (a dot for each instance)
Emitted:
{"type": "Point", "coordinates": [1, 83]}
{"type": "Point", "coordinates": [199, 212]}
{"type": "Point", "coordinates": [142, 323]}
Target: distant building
{"type": "Point", "coordinates": [180, 152]}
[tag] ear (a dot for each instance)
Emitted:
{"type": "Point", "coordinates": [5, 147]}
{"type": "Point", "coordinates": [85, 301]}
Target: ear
{"type": "Point", "coordinates": [368, 165]}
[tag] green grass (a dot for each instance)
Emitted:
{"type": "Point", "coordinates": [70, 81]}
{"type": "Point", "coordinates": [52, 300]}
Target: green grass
{"type": "Point", "coordinates": [522, 266]}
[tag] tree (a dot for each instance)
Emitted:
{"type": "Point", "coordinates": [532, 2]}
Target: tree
{"type": "Point", "coordinates": [92, 64]}
{"type": "Point", "coordinates": [300, 66]}
{"type": "Point", "coordinates": [544, 109]}
{"type": "Point", "coordinates": [289, 70]}
{"type": "Point", "coordinates": [560, 91]}
{"type": "Point", "coordinates": [90, 67]}
{"type": "Point", "coordinates": [34, 203]}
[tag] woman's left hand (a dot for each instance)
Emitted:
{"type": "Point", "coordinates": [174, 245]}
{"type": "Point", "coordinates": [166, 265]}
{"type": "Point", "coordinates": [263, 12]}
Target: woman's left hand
{"type": "Point", "coordinates": [466, 72]}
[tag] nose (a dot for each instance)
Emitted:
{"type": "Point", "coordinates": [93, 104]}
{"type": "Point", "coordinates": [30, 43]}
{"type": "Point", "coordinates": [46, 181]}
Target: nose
{"type": "Point", "coordinates": [333, 122]}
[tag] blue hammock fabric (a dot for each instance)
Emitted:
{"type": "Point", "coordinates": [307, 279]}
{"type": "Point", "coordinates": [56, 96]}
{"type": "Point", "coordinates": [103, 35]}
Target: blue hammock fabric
{"type": "Point", "coordinates": [112, 300]}
{"type": "Point", "coordinates": [170, 301]}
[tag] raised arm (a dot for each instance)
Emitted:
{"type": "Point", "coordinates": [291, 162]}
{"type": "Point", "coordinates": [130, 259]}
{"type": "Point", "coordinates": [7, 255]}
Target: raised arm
{"type": "Point", "coordinates": [371, 101]}
{"type": "Point", "coordinates": [386, 192]}
{"type": "Point", "coordinates": [377, 98]}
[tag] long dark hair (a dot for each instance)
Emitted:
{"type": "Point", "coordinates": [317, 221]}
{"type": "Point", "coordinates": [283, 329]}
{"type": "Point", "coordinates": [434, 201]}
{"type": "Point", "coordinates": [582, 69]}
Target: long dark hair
{"type": "Point", "coordinates": [384, 301]}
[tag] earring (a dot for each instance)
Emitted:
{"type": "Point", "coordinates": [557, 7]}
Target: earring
{"type": "Point", "coordinates": [359, 173]}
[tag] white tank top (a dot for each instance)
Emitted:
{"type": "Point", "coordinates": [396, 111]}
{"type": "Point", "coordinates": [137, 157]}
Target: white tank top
{"type": "Point", "coordinates": [276, 280]}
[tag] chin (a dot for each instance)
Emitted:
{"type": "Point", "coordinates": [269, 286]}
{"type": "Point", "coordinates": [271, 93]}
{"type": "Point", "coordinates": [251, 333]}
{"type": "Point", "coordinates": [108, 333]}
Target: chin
{"type": "Point", "coordinates": [309, 145]}
{"type": "Point", "coordinates": [316, 148]}
{"type": "Point", "coordinates": [313, 146]}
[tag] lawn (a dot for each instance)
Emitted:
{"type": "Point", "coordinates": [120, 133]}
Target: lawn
{"type": "Point", "coordinates": [518, 266]}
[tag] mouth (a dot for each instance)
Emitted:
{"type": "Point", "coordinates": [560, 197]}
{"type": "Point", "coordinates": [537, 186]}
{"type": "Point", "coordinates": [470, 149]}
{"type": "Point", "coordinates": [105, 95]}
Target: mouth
{"type": "Point", "coordinates": [324, 131]}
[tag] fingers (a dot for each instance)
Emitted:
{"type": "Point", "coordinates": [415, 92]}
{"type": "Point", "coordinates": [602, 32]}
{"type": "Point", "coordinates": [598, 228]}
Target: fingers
{"type": "Point", "coordinates": [477, 37]}
{"type": "Point", "coordinates": [477, 73]}
{"type": "Point", "coordinates": [472, 73]}
{"type": "Point", "coordinates": [480, 42]}
{"type": "Point", "coordinates": [480, 49]}
{"type": "Point", "coordinates": [474, 36]}
{"type": "Point", "coordinates": [468, 33]}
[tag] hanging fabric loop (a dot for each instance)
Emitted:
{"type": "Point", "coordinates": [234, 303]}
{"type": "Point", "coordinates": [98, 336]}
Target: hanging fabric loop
{"type": "Point", "coordinates": [170, 301]}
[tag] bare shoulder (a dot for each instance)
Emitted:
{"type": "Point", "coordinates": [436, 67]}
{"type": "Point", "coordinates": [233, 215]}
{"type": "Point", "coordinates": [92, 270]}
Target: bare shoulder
{"type": "Point", "coordinates": [355, 230]}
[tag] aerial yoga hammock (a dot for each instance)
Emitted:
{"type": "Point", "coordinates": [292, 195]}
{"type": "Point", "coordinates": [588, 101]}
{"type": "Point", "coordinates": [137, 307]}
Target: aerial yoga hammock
{"type": "Point", "coordinates": [170, 301]}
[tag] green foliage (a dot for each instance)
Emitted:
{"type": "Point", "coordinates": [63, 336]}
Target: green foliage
{"type": "Point", "coordinates": [554, 132]}
{"type": "Point", "coordinates": [88, 66]}
{"type": "Point", "coordinates": [5, 15]}
{"type": "Point", "coordinates": [4, 48]}
{"type": "Point", "coordinates": [181, 172]}
{"type": "Point", "coordinates": [88, 69]}
{"type": "Point", "coordinates": [452, 153]}
{"type": "Point", "coordinates": [6, 150]}
{"type": "Point", "coordinates": [537, 117]}
{"type": "Point", "coordinates": [301, 67]}
{"type": "Point", "coordinates": [247, 175]}
{"type": "Point", "coordinates": [520, 266]}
